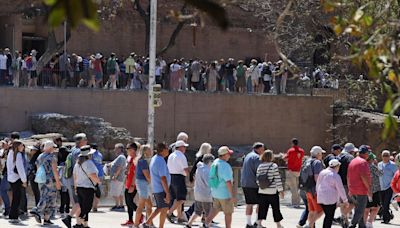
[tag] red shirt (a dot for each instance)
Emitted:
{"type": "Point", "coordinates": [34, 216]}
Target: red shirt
{"type": "Point", "coordinates": [395, 184]}
{"type": "Point", "coordinates": [358, 167]}
{"type": "Point", "coordinates": [130, 174]}
{"type": "Point", "coordinates": [294, 158]}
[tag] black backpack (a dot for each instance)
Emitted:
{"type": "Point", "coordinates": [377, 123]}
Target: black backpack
{"type": "Point", "coordinates": [307, 180]}
{"type": "Point", "coordinates": [263, 181]}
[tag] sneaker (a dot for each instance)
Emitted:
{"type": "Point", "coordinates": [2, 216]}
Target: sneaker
{"type": "Point", "coordinates": [121, 209]}
{"type": "Point", "coordinates": [299, 226]}
{"type": "Point", "coordinates": [47, 223]}
{"type": "Point", "coordinates": [24, 216]}
{"type": "Point", "coordinates": [95, 210]}
{"type": "Point", "coordinates": [368, 225]}
{"type": "Point", "coordinates": [187, 226]}
{"type": "Point", "coordinates": [251, 226]}
{"type": "Point", "coordinates": [78, 226]}
{"type": "Point", "coordinates": [115, 208]}
{"type": "Point", "coordinates": [67, 221]}
{"type": "Point", "coordinates": [37, 217]}
{"type": "Point", "coordinates": [14, 221]}
{"type": "Point", "coordinates": [144, 225]}
{"type": "Point", "coordinates": [170, 219]}
{"type": "Point", "coordinates": [127, 223]}
{"type": "Point", "coordinates": [181, 221]}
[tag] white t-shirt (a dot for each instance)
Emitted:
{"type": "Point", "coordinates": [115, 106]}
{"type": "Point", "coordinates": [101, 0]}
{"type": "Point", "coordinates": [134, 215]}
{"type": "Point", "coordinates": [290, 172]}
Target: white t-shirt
{"type": "Point", "coordinates": [3, 62]}
{"type": "Point", "coordinates": [175, 67]}
{"type": "Point", "coordinates": [82, 179]}
{"type": "Point", "coordinates": [158, 70]}
{"type": "Point", "coordinates": [177, 163]}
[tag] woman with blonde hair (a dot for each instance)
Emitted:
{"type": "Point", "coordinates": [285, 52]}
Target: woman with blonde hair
{"type": "Point", "coordinates": [143, 182]}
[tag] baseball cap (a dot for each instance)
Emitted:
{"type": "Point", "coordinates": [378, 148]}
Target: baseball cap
{"type": "Point", "coordinates": [371, 156]}
{"type": "Point", "coordinates": [224, 150]}
{"type": "Point", "coordinates": [336, 147]}
{"type": "Point", "coordinates": [316, 150]}
{"type": "Point", "coordinates": [333, 163]}
{"type": "Point", "coordinates": [258, 145]}
{"type": "Point", "coordinates": [181, 143]}
{"type": "Point", "coordinates": [48, 144]}
{"type": "Point", "coordinates": [363, 149]}
{"type": "Point", "coordinates": [349, 147]}
{"type": "Point", "coordinates": [79, 137]}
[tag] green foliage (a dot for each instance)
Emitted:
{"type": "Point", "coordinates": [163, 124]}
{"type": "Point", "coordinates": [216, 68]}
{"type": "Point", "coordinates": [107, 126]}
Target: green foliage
{"type": "Point", "coordinates": [372, 29]}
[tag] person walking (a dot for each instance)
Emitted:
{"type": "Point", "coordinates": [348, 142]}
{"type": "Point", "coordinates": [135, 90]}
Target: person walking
{"type": "Point", "coordinates": [335, 151]}
{"type": "Point", "coordinates": [143, 182]}
{"type": "Point", "coordinates": [63, 153]}
{"type": "Point", "coordinates": [202, 191]}
{"type": "Point", "coordinates": [221, 183]}
{"type": "Point", "coordinates": [270, 189]}
{"type": "Point", "coordinates": [4, 184]}
{"type": "Point", "coordinates": [97, 158]}
{"type": "Point", "coordinates": [130, 183]}
{"type": "Point", "coordinates": [47, 171]}
{"type": "Point", "coordinates": [388, 168]}
{"type": "Point", "coordinates": [329, 191]}
{"type": "Point", "coordinates": [160, 182]}
{"type": "Point", "coordinates": [373, 206]}
{"type": "Point", "coordinates": [32, 169]}
{"type": "Point", "coordinates": [117, 173]}
{"type": "Point", "coordinates": [308, 181]}
{"type": "Point", "coordinates": [86, 182]}
{"type": "Point", "coordinates": [359, 180]}
{"type": "Point", "coordinates": [178, 168]}
{"type": "Point", "coordinates": [395, 184]}
{"type": "Point", "coordinates": [294, 158]}
{"type": "Point", "coordinates": [17, 178]}
{"type": "Point", "coordinates": [248, 180]}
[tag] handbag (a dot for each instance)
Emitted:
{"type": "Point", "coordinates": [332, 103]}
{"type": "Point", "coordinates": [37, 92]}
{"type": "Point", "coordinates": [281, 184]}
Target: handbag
{"type": "Point", "coordinates": [40, 175]}
{"type": "Point", "coordinates": [97, 190]}
{"type": "Point", "coordinates": [263, 180]}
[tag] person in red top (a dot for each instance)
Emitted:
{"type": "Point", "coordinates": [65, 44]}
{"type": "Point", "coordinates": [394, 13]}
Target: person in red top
{"type": "Point", "coordinates": [395, 184]}
{"type": "Point", "coordinates": [130, 186]}
{"type": "Point", "coordinates": [294, 158]}
{"type": "Point", "coordinates": [359, 181]}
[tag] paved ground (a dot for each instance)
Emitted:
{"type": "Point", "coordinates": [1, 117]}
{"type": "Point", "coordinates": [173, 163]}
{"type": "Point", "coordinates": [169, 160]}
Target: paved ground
{"type": "Point", "coordinates": [108, 219]}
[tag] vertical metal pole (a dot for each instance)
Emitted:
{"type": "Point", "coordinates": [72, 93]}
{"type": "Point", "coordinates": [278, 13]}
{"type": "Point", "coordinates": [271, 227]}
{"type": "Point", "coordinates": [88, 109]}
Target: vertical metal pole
{"type": "Point", "coordinates": [65, 37]}
{"type": "Point", "coordinates": [152, 53]}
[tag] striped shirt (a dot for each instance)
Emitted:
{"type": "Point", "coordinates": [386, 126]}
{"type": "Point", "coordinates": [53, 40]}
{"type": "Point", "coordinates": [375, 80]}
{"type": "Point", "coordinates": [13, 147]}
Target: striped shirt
{"type": "Point", "coordinates": [273, 175]}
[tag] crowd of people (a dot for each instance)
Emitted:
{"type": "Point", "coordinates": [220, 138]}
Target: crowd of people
{"type": "Point", "coordinates": [348, 178]}
{"type": "Point", "coordinates": [132, 73]}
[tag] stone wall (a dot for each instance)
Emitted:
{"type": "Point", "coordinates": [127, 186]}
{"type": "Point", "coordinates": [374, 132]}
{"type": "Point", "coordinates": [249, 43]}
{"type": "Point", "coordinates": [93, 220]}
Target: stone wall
{"type": "Point", "coordinates": [231, 119]}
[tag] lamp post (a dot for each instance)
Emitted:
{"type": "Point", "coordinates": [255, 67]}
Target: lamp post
{"type": "Point", "coordinates": [152, 67]}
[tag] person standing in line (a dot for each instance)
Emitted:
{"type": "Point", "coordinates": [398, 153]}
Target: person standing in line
{"type": "Point", "coordinates": [202, 191]}
{"type": "Point", "coordinates": [212, 77]}
{"type": "Point", "coordinates": [329, 190]}
{"type": "Point", "coordinates": [359, 180]}
{"type": "Point", "coordinates": [47, 161]}
{"type": "Point", "coordinates": [97, 159]}
{"type": "Point", "coordinates": [32, 69]}
{"type": "Point", "coordinates": [241, 77]}
{"type": "Point", "coordinates": [85, 182]}
{"type": "Point", "coordinates": [130, 182]}
{"type": "Point", "coordinates": [17, 178]}
{"type": "Point", "coordinates": [388, 168]}
{"type": "Point", "coordinates": [373, 206]}
{"type": "Point", "coordinates": [270, 190]}
{"type": "Point", "coordinates": [117, 174]}
{"type": "Point", "coordinates": [130, 70]}
{"type": "Point", "coordinates": [221, 183]}
{"type": "Point", "coordinates": [294, 158]}
{"type": "Point", "coordinates": [249, 182]}
{"type": "Point", "coordinates": [160, 181]}
{"type": "Point", "coordinates": [143, 182]}
{"type": "Point", "coordinates": [178, 168]}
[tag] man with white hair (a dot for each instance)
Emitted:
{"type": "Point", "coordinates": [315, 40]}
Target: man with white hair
{"type": "Point", "coordinates": [308, 180]}
{"type": "Point", "coordinates": [388, 168]}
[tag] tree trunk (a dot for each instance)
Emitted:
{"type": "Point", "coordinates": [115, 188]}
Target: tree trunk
{"type": "Point", "coordinates": [52, 48]}
{"type": "Point", "coordinates": [173, 37]}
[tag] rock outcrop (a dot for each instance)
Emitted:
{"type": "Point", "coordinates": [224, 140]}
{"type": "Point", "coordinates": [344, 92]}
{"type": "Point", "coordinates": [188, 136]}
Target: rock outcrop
{"type": "Point", "coordinates": [97, 129]}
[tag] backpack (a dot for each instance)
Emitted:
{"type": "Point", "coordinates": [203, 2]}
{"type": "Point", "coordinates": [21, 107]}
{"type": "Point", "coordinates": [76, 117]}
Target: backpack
{"type": "Point", "coordinates": [263, 181]}
{"type": "Point", "coordinates": [307, 180]}
{"type": "Point", "coordinates": [69, 167]}
{"type": "Point", "coordinates": [29, 63]}
{"type": "Point", "coordinates": [213, 181]}
{"type": "Point", "coordinates": [266, 70]}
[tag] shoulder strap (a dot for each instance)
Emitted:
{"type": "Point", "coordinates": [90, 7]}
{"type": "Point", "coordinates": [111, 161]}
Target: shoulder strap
{"type": "Point", "coordinates": [87, 176]}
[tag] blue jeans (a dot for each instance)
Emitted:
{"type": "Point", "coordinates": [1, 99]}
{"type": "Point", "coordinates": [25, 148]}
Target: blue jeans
{"type": "Point", "coordinates": [231, 83]}
{"type": "Point", "coordinates": [304, 215]}
{"type": "Point", "coordinates": [4, 188]}
{"type": "Point", "coordinates": [249, 86]}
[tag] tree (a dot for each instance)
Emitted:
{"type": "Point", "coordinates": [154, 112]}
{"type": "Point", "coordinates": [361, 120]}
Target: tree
{"type": "Point", "coordinates": [371, 30]}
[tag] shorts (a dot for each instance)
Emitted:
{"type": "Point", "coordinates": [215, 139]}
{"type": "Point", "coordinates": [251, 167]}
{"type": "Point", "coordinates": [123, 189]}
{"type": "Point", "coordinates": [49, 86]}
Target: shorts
{"type": "Point", "coordinates": [143, 188]}
{"type": "Point", "coordinates": [33, 74]}
{"type": "Point", "coordinates": [376, 200]}
{"type": "Point", "coordinates": [251, 196]}
{"type": "Point", "coordinates": [254, 82]}
{"type": "Point", "coordinates": [313, 205]}
{"type": "Point", "coordinates": [178, 187]}
{"type": "Point", "coordinates": [351, 199]}
{"type": "Point", "coordinates": [116, 188]}
{"type": "Point", "coordinates": [224, 205]}
{"type": "Point", "coordinates": [160, 200]}
{"type": "Point", "coordinates": [202, 207]}
{"type": "Point", "coordinates": [99, 76]}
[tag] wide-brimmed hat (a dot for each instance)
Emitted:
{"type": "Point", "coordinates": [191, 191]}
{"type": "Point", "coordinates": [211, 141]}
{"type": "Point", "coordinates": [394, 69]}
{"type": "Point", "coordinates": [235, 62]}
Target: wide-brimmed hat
{"type": "Point", "coordinates": [85, 150]}
{"type": "Point", "coordinates": [98, 56]}
{"type": "Point", "coordinates": [181, 143]}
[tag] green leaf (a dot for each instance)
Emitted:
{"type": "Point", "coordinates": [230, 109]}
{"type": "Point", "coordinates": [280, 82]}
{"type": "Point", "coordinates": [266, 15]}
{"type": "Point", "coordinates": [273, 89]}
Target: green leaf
{"type": "Point", "coordinates": [388, 106]}
{"type": "Point", "coordinates": [56, 16]}
{"type": "Point", "coordinates": [49, 2]}
{"type": "Point", "coordinates": [92, 24]}
{"type": "Point", "coordinates": [367, 20]}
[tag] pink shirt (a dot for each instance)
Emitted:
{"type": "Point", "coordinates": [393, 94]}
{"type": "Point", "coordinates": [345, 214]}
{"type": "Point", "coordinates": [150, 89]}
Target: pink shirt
{"type": "Point", "coordinates": [330, 188]}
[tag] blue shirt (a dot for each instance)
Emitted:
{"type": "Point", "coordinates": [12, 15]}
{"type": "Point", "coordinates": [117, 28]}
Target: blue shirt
{"type": "Point", "coordinates": [389, 169]}
{"type": "Point", "coordinates": [97, 159]}
{"type": "Point", "coordinates": [158, 169]}
{"type": "Point", "coordinates": [225, 173]}
{"type": "Point", "coordinates": [141, 165]}
{"type": "Point", "coordinates": [249, 170]}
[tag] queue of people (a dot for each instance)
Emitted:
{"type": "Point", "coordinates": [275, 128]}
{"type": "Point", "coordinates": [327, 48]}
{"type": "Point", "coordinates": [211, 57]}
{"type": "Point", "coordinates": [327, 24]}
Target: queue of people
{"type": "Point", "coordinates": [348, 178]}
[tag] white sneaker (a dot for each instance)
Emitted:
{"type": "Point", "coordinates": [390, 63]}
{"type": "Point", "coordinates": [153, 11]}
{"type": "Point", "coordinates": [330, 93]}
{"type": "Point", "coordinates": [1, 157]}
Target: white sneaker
{"type": "Point", "coordinates": [369, 225]}
{"type": "Point", "coordinates": [299, 226]}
